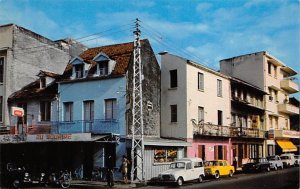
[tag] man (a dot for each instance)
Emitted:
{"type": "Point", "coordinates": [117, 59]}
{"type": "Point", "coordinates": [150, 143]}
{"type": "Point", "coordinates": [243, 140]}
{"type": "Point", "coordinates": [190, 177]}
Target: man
{"type": "Point", "coordinates": [124, 169]}
{"type": "Point", "coordinates": [110, 172]}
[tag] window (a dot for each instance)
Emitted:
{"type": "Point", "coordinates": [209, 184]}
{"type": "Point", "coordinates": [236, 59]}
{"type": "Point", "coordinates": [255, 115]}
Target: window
{"type": "Point", "coordinates": [103, 68]}
{"type": "Point", "coordinates": [275, 71]}
{"type": "Point", "coordinates": [201, 151]}
{"type": "Point", "coordinates": [188, 165]}
{"type": "Point", "coordinates": [111, 109]}
{"type": "Point", "coordinates": [173, 79]}
{"type": "Point", "coordinates": [68, 111]}
{"type": "Point", "coordinates": [219, 87]}
{"type": "Point", "coordinates": [198, 164]}
{"type": "Point", "coordinates": [276, 122]}
{"type": "Point", "coordinates": [200, 81]}
{"type": "Point", "coordinates": [269, 67]}
{"type": "Point", "coordinates": [270, 121]}
{"type": "Point", "coordinates": [165, 155]}
{"type": "Point", "coordinates": [1, 69]}
{"type": "Point", "coordinates": [88, 108]}
{"type": "Point", "coordinates": [45, 110]}
{"type": "Point", "coordinates": [173, 113]}
{"type": "Point", "coordinates": [43, 82]}
{"type": "Point", "coordinates": [220, 117]}
{"type": "Point", "coordinates": [79, 71]}
{"type": "Point", "coordinates": [200, 114]}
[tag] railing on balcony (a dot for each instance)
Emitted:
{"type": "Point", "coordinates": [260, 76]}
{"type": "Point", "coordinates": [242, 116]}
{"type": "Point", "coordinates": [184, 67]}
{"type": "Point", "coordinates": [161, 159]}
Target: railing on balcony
{"type": "Point", "coordinates": [96, 126]}
{"type": "Point", "coordinates": [208, 129]}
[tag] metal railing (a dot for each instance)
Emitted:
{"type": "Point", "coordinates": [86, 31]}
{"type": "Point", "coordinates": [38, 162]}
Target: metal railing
{"type": "Point", "coordinates": [208, 129]}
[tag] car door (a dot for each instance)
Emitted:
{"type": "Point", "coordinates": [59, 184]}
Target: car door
{"type": "Point", "coordinates": [190, 172]}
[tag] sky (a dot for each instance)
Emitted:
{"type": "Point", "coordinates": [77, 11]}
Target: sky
{"type": "Point", "coordinates": [204, 31]}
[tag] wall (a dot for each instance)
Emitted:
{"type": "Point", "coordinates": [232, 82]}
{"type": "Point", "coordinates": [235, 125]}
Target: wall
{"type": "Point", "coordinates": [96, 90]}
{"type": "Point", "coordinates": [207, 98]}
{"type": "Point", "coordinates": [173, 96]}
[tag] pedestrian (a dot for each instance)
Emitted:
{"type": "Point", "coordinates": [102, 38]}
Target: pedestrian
{"type": "Point", "coordinates": [235, 162]}
{"type": "Point", "coordinates": [124, 168]}
{"type": "Point", "coordinates": [110, 172]}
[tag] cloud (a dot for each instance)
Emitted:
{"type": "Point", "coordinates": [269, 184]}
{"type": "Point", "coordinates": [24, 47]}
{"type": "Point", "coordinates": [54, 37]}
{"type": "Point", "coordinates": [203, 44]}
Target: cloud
{"type": "Point", "coordinates": [203, 7]}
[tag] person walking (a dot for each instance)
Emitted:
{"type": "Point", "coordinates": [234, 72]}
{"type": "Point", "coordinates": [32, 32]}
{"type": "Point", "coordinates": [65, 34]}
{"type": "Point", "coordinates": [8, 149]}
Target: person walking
{"type": "Point", "coordinates": [110, 172]}
{"type": "Point", "coordinates": [124, 168]}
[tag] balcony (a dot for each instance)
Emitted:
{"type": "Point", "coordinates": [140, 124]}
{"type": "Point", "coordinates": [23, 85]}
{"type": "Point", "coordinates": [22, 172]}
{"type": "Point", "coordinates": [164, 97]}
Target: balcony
{"type": "Point", "coordinates": [226, 131]}
{"type": "Point", "coordinates": [289, 86]}
{"type": "Point", "coordinates": [288, 109]}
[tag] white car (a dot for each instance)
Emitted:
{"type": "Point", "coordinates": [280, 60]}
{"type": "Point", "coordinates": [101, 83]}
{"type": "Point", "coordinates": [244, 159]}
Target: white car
{"type": "Point", "coordinates": [275, 161]}
{"type": "Point", "coordinates": [288, 159]}
{"type": "Point", "coordinates": [182, 170]}
{"type": "Point", "coordinates": [297, 162]}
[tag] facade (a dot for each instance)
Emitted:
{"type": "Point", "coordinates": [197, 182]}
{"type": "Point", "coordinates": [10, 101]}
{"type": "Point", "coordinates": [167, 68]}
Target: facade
{"type": "Point", "coordinates": [247, 121]}
{"type": "Point", "coordinates": [196, 107]}
{"type": "Point", "coordinates": [23, 54]}
{"type": "Point", "coordinates": [276, 79]}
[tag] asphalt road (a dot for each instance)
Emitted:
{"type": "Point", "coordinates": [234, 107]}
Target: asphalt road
{"type": "Point", "coordinates": [281, 179]}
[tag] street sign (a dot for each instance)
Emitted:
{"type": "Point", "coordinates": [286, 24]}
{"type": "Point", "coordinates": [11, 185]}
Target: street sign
{"type": "Point", "coordinates": [18, 112]}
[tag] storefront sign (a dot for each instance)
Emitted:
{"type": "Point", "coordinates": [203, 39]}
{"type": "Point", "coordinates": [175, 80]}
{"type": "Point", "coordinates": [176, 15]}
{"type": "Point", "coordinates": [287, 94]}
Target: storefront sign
{"type": "Point", "coordinates": [18, 112]}
{"type": "Point", "coordinates": [59, 137]}
{"type": "Point", "coordinates": [291, 134]}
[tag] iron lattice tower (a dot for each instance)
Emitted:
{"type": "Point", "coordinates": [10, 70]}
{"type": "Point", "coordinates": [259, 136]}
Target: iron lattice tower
{"type": "Point", "coordinates": [137, 129]}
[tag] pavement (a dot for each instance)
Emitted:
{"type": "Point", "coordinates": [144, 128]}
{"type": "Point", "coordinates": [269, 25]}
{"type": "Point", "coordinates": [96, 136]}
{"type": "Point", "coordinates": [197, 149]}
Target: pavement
{"type": "Point", "coordinates": [97, 184]}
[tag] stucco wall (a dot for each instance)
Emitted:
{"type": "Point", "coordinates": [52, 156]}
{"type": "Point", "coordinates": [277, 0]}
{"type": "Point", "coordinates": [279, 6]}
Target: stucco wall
{"type": "Point", "coordinates": [176, 96]}
{"type": "Point", "coordinates": [207, 98]}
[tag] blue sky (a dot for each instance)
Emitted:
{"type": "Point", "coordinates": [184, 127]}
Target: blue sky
{"type": "Point", "coordinates": [205, 31]}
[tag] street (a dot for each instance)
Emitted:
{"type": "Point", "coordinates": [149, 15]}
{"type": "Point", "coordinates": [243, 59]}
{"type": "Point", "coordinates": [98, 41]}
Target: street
{"type": "Point", "coordinates": [281, 179]}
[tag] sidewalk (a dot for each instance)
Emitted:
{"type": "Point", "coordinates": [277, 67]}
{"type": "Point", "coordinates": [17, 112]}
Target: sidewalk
{"type": "Point", "coordinates": [97, 184]}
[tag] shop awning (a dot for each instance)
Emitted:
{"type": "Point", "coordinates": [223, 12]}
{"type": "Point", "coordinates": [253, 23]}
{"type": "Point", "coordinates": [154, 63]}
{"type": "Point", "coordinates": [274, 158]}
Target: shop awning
{"type": "Point", "coordinates": [165, 142]}
{"type": "Point", "coordinates": [286, 145]}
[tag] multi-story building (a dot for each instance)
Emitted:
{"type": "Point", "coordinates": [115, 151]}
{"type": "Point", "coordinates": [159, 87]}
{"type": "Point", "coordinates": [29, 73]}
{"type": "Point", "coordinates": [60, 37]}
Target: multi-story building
{"type": "Point", "coordinates": [247, 121]}
{"type": "Point", "coordinates": [23, 54]}
{"type": "Point", "coordinates": [195, 106]}
{"type": "Point", "coordinates": [271, 75]}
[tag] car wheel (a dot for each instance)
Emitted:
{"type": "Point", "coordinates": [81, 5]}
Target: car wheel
{"type": "Point", "coordinates": [268, 169]}
{"type": "Point", "coordinates": [217, 174]}
{"type": "Point", "coordinates": [200, 179]}
{"type": "Point", "coordinates": [230, 173]}
{"type": "Point", "coordinates": [275, 168]}
{"type": "Point", "coordinates": [180, 181]}
{"type": "Point", "coordinates": [16, 183]}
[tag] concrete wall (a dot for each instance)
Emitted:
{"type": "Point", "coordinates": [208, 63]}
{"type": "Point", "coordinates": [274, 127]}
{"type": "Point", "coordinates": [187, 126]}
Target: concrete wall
{"type": "Point", "coordinates": [28, 54]}
{"type": "Point", "coordinates": [151, 90]}
{"type": "Point", "coordinates": [248, 68]}
{"type": "Point", "coordinates": [208, 98]}
{"type": "Point", "coordinates": [97, 90]}
{"type": "Point", "coordinates": [175, 96]}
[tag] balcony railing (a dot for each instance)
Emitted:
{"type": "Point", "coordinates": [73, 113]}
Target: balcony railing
{"type": "Point", "coordinates": [226, 131]}
{"type": "Point", "coordinates": [96, 126]}
{"type": "Point", "coordinates": [288, 109]}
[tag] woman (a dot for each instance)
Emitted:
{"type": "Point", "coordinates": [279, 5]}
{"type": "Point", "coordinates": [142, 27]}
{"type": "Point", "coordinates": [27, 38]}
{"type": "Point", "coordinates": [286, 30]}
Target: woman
{"type": "Point", "coordinates": [124, 169]}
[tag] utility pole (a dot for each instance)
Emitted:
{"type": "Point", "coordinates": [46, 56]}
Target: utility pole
{"type": "Point", "coordinates": [137, 129]}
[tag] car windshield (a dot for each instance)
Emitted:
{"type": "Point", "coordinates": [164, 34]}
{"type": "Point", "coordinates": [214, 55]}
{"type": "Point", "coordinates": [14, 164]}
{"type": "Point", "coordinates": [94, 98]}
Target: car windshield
{"type": "Point", "coordinates": [177, 165]}
{"type": "Point", "coordinates": [211, 163]}
{"type": "Point", "coordinates": [271, 158]}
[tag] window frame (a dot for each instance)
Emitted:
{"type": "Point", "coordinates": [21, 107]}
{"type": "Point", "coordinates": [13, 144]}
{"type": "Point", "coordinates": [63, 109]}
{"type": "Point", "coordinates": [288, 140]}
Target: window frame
{"type": "Point", "coordinates": [68, 106]}
{"type": "Point", "coordinates": [2, 69]}
{"type": "Point", "coordinates": [90, 104]}
{"type": "Point", "coordinates": [114, 109]}
{"type": "Point", "coordinates": [45, 110]}
{"type": "Point", "coordinates": [173, 79]}
{"type": "Point", "coordinates": [200, 81]}
{"type": "Point", "coordinates": [219, 88]}
{"type": "Point", "coordinates": [173, 113]}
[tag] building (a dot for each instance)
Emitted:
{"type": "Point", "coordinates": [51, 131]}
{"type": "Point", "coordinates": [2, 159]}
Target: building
{"type": "Point", "coordinates": [247, 121]}
{"type": "Point", "coordinates": [195, 105]}
{"type": "Point", "coordinates": [23, 54]}
{"type": "Point", "coordinates": [275, 78]}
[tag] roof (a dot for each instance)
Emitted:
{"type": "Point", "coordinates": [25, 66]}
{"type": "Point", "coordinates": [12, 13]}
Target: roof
{"type": "Point", "coordinates": [121, 53]}
{"type": "Point", "coordinates": [33, 90]}
{"type": "Point", "coordinates": [48, 74]}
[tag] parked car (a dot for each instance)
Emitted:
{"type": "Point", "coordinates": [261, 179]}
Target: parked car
{"type": "Point", "coordinates": [297, 158]}
{"type": "Point", "coordinates": [288, 159]}
{"type": "Point", "coordinates": [275, 162]}
{"type": "Point", "coordinates": [182, 170]}
{"type": "Point", "coordinates": [218, 168]}
{"type": "Point", "coordinates": [256, 165]}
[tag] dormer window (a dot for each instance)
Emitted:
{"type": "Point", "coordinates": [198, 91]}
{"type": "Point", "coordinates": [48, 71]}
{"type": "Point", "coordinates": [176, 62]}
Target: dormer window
{"type": "Point", "coordinates": [103, 68]}
{"type": "Point", "coordinates": [43, 82]}
{"type": "Point", "coordinates": [79, 71]}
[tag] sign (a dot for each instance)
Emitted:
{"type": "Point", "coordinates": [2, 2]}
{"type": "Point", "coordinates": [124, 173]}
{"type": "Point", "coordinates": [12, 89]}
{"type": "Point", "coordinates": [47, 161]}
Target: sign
{"type": "Point", "coordinates": [59, 137]}
{"type": "Point", "coordinates": [16, 111]}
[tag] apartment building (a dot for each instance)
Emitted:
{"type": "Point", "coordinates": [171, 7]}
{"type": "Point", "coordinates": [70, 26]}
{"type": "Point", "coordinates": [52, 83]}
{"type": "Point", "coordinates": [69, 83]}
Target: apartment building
{"type": "Point", "coordinates": [195, 106]}
{"type": "Point", "coordinates": [271, 75]}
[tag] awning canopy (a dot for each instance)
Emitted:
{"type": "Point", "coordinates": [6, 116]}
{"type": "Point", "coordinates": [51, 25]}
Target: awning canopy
{"type": "Point", "coordinates": [165, 142]}
{"type": "Point", "coordinates": [286, 145]}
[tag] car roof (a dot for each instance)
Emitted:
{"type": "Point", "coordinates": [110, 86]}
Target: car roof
{"type": "Point", "coordinates": [189, 159]}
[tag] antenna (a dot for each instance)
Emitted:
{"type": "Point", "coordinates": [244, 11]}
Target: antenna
{"type": "Point", "coordinates": [137, 129]}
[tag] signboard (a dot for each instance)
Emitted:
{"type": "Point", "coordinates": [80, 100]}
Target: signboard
{"type": "Point", "coordinates": [16, 111]}
{"type": "Point", "coordinates": [59, 137]}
